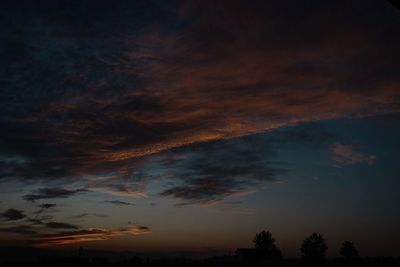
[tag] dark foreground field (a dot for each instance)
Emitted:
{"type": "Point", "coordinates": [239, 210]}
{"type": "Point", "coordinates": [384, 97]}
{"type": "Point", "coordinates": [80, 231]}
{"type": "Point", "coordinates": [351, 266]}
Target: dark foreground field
{"type": "Point", "coordinates": [228, 261]}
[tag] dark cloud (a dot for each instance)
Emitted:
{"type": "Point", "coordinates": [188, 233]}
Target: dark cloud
{"type": "Point", "coordinates": [13, 215]}
{"type": "Point", "coordinates": [47, 205]}
{"type": "Point", "coordinates": [165, 75]}
{"type": "Point", "coordinates": [39, 220]}
{"type": "Point", "coordinates": [21, 229]}
{"type": "Point", "coordinates": [35, 221]}
{"type": "Point", "coordinates": [209, 172]}
{"type": "Point", "coordinates": [60, 225]}
{"type": "Point", "coordinates": [119, 203]}
{"type": "Point", "coordinates": [47, 193]}
{"type": "Point", "coordinates": [83, 215]}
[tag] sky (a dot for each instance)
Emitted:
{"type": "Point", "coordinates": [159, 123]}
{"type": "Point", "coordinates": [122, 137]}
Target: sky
{"type": "Point", "coordinates": [193, 125]}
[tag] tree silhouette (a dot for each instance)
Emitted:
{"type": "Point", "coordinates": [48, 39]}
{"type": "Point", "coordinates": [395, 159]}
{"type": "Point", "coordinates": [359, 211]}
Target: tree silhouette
{"type": "Point", "coordinates": [264, 243]}
{"type": "Point", "coordinates": [349, 251]}
{"type": "Point", "coordinates": [314, 248]}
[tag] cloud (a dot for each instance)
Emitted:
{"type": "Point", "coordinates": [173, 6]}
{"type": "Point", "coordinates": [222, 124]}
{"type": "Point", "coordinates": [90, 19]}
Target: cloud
{"type": "Point", "coordinates": [125, 184]}
{"type": "Point", "coordinates": [83, 215]}
{"type": "Point", "coordinates": [209, 172]}
{"type": "Point", "coordinates": [84, 235]}
{"type": "Point", "coordinates": [47, 205]}
{"type": "Point", "coordinates": [40, 238]}
{"type": "Point", "coordinates": [140, 229]}
{"type": "Point", "coordinates": [119, 203]}
{"type": "Point", "coordinates": [35, 221]}
{"type": "Point", "coordinates": [346, 155]}
{"type": "Point", "coordinates": [39, 220]}
{"type": "Point", "coordinates": [13, 215]}
{"type": "Point", "coordinates": [55, 192]}
{"type": "Point", "coordinates": [21, 229]}
{"type": "Point", "coordinates": [60, 225]}
{"type": "Point", "coordinates": [230, 69]}
{"type": "Point", "coordinates": [44, 207]}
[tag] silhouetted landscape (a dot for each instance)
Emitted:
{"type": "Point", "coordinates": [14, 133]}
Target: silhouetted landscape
{"type": "Point", "coordinates": [264, 253]}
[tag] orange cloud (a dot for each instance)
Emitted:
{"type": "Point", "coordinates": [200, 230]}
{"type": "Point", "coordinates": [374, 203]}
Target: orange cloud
{"type": "Point", "coordinates": [84, 235]}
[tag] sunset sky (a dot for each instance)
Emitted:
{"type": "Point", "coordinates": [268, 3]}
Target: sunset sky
{"type": "Point", "coordinates": [168, 126]}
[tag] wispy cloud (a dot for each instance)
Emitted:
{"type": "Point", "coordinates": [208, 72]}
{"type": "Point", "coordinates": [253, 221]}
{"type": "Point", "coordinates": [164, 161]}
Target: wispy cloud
{"type": "Point", "coordinates": [60, 225]}
{"type": "Point", "coordinates": [44, 207]}
{"type": "Point", "coordinates": [55, 192]}
{"type": "Point", "coordinates": [83, 235]}
{"type": "Point", "coordinates": [49, 234]}
{"type": "Point", "coordinates": [206, 173]}
{"type": "Point", "coordinates": [119, 203]}
{"type": "Point", "coordinates": [47, 206]}
{"type": "Point", "coordinates": [83, 215]}
{"type": "Point", "coordinates": [20, 229]}
{"type": "Point", "coordinates": [345, 154]}
{"type": "Point", "coordinates": [13, 215]}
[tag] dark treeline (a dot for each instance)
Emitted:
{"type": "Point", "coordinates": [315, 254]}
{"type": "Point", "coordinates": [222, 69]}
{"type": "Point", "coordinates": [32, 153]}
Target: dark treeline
{"type": "Point", "coordinates": [264, 253]}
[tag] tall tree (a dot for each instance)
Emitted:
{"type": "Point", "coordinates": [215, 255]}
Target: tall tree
{"type": "Point", "coordinates": [349, 251]}
{"type": "Point", "coordinates": [265, 243]}
{"type": "Point", "coordinates": [314, 248]}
